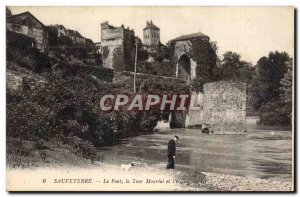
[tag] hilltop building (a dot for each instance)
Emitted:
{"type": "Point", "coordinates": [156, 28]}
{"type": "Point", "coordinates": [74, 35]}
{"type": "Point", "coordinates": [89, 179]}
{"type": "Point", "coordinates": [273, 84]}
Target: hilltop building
{"type": "Point", "coordinates": [25, 23]}
{"type": "Point", "coordinates": [151, 35]}
{"type": "Point", "coordinates": [99, 47]}
{"type": "Point", "coordinates": [151, 40]}
{"type": "Point", "coordinates": [186, 64]}
{"type": "Point", "coordinates": [118, 46]}
{"type": "Point", "coordinates": [61, 30]}
{"type": "Point", "coordinates": [76, 37]}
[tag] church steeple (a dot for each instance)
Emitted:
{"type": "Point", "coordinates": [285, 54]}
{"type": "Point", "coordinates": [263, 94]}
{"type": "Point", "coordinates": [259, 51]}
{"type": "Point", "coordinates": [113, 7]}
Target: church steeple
{"type": "Point", "coordinates": [151, 34]}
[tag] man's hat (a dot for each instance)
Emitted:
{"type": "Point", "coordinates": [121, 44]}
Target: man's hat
{"type": "Point", "coordinates": [176, 137]}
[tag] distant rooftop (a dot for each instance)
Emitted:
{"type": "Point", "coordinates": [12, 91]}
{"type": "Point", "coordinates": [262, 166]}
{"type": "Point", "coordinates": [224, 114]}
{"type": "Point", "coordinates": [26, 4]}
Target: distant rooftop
{"type": "Point", "coordinates": [74, 33]}
{"type": "Point", "coordinates": [150, 25]}
{"type": "Point", "coordinates": [58, 26]}
{"type": "Point", "coordinates": [189, 36]}
{"type": "Point", "coordinates": [19, 20]}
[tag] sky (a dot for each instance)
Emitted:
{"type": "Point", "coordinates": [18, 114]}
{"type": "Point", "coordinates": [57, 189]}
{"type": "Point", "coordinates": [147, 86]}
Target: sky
{"type": "Point", "coordinates": [250, 31]}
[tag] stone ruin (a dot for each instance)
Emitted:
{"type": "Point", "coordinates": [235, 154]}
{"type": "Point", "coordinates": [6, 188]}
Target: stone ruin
{"type": "Point", "coordinates": [224, 108]}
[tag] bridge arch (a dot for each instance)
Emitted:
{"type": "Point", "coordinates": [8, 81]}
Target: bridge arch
{"type": "Point", "coordinates": [184, 67]}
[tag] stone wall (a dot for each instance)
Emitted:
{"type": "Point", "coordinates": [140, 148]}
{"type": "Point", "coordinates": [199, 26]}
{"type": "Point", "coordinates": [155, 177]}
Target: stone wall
{"type": "Point", "coordinates": [142, 77]}
{"type": "Point", "coordinates": [17, 81]}
{"type": "Point", "coordinates": [225, 107]}
{"type": "Point", "coordinates": [183, 47]}
{"type": "Point", "coordinates": [118, 45]}
{"type": "Point", "coordinates": [194, 118]}
{"type": "Point", "coordinates": [40, 36]}
{"type": "Point", "coordinates": [151, 37]}
{"type": "Point", "coordinates": [13, 82]}
{"type": "Point", "coordinates": [31, 27]}
{"type": "Point", "coordinates": [129, 50]}
{"type": "Point", "coordinates": [111, 33]}
{"type": "Point", "coordinates": [111, 50]}
{"type": "Point", "coordinates": [105, 74]}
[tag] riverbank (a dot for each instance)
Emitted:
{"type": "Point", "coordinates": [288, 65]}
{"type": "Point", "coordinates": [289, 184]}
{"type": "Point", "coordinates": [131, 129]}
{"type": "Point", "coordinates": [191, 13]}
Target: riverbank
{"type": "Point", "coordinates": [104, 177]}
{"type": "Point", "coordinates": [259, 161]}
{"type": "Point", "coordinates": [222, 182]}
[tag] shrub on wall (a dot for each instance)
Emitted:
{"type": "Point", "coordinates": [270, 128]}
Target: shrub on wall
{"type": "Point", "coordinates": [118, 59]}
{"type": "Point", "coordinates": [157, 68]}
{"type": "Point", "coordinates": [20, 49]}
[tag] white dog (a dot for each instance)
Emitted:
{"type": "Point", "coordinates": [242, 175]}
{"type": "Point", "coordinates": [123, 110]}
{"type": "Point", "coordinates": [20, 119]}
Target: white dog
{"type": "Point", "coordinates": [127, 167]}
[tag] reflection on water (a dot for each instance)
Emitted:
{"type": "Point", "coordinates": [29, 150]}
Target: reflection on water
{"type": "Point", "coordinates": [261, 153]}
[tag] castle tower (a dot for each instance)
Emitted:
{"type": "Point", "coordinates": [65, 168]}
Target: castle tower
{"type": "Point", "coordinates": [118, 47]}
{"type": "Point", "coordinates": [151, 35]}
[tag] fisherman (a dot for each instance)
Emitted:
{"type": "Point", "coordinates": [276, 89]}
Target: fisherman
{"type": "Point", "coordinates": [171, 152]}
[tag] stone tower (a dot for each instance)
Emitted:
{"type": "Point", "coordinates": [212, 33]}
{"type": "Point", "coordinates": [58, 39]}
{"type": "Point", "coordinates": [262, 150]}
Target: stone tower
{"type": "Point", "coordinates": [151, 35]}
{"type": "Point", "coordinates": [118, 46]}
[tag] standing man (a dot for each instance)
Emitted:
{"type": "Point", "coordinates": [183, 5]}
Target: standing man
{"type": "Point", "coordinates": [171, 152]}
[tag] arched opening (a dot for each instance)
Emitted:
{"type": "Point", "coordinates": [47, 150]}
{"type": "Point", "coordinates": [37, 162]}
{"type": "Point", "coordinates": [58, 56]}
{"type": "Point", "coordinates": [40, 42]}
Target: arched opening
{"type": "Point", "coordinates": [184, 67]}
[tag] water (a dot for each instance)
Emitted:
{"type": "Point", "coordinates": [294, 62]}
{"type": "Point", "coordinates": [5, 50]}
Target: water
{"type": "Point", "coordinates": [263, 153]}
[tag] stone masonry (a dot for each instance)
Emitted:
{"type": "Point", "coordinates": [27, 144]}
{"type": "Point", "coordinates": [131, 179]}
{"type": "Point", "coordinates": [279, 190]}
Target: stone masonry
{"type": "Point", "coordinates": [25, 23]}
{"type": "Point", "coordinates": [118, 45]}
{"type": "Point", "coordinates": [225, 107]}
{"type": "Point", "coordinates": [186, 65]}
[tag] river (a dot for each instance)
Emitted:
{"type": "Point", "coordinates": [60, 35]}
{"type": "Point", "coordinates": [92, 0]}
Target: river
{"type": "Point", "coordinates": [264, 152]}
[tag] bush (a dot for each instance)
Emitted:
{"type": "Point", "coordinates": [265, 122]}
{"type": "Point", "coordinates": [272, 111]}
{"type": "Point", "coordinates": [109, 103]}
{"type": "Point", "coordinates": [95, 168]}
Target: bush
{"type": "Point", "coordinates": [27, 120]}
{"type": "Point", "coordinates": [81, 147]}
{"type": "Point", "coordinates": [157, 68]}
{"type": "Point", "coordinates": [273, 114]}
{"type": "Point", "coordinates": [19, 41]}
{"type": "Point", "coordinates": [19, 49]}
{"type": "Point", "coordinates": [274, 118]}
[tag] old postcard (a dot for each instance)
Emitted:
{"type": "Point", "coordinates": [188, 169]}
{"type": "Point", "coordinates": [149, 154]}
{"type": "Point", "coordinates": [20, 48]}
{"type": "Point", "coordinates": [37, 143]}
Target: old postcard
{"type": "Point", "coordinates": [150, 99]}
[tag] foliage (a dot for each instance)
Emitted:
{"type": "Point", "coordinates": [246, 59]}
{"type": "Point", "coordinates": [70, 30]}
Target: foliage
{"type": "Point", "coordinates": [81, 147]}
{"type": "Point", "coordinates": [27, 120]}
{"type": "Point", "coordinates": [19, 41]}
{"type": "Point", "coordinates": [170, 50]}
{"type": "Point", "coordinates": [205, 56]}
{"type": "Point", "coordinates": [129, 51]}
{"type": "Point", "coordinates": [286, 92]}
{"type": "Point", "coordinates": [8, 12]}
{"type": "Point", "coordinates": [232, 68]}
{"type": "Point", "coordinates": [269, 72]}
{"type": "Point", "coordinates": [157, 68]}
{"type": "Point", "coordinates": [118, 59]}
{"type": "Point", "coordinates": [52, 36]}
{"type": "Point", "coordinates": [142, 55]}
{"type": "Point", "coordinates": [66, 108]}
{"type": "Point", "coordinates": [19, 48]}
{"type": "Point", "coordinates": [272, 87]}
{"type": "Point", "coordinates": [272, 114]}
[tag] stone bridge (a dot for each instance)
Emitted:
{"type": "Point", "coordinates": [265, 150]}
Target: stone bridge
{"type": "Point", "coordinates": [186, 65]}
{"type": "Point", "coordinates": [222, 105]}
{"type": "Point", "coordinates": [178, 119]}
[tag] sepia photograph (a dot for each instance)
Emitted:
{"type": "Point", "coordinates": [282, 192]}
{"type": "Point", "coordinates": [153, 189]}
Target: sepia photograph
{"type": "Point", "coordinates": [150, 99]}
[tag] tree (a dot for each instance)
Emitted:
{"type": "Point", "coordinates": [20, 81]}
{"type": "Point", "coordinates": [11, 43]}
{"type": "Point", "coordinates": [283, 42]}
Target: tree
{"type": "Point", "coordinates": [8, 12]}
{"type": "Point", "coordinates": [204, 54]}
{"type": "Point", "coordinates": [272, 88]}
{"type": "Point", "coordinates": [232, 68]}
{"type": "Point", "coordinates": [269, 72]}
{"type": "Point", "coordinates": [286, 89]}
